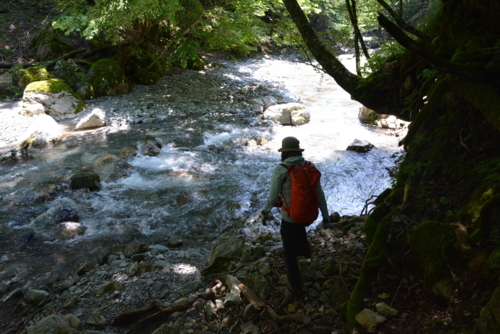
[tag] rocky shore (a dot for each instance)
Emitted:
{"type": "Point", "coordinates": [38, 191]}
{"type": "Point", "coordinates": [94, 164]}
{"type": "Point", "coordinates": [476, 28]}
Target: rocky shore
{"type": "Point", "coordinates": [237, 287]}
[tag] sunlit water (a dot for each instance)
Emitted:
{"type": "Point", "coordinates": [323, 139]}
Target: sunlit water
{"type": "Point", "coordinates": [195, 192]}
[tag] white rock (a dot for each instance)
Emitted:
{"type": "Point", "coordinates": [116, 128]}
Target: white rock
{"type": "Point", "coordinates": [42, 131]}
{"type": "Point", "coordinates": [288, 114]}
{"type": "Point", "coordinates": [59, 105]}
{"type": "Point", "coordinates": [94, 120]}
{"type": "Point", "coordinates": [34, 109]}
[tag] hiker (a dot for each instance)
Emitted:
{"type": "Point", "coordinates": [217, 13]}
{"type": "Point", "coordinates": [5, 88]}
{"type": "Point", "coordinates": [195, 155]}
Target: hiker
{"type": "Point", "coordinates": [293, 234]}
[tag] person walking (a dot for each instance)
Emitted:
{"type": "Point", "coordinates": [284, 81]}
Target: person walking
{"type": "Point", "coordinates": [293, 234]}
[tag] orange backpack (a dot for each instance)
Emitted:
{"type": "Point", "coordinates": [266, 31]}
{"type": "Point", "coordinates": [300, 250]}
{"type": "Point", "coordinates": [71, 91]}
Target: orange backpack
{"type": "Point", "coordinates": [304, 203]}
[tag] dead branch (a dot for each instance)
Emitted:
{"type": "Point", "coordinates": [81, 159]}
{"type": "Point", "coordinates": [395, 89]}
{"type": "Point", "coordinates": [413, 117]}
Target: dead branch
{"type": "Point", "coordinates": [252, 297]}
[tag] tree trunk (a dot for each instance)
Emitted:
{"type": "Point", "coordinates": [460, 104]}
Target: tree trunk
{"type": "Point", "coordinates": [368, 96]}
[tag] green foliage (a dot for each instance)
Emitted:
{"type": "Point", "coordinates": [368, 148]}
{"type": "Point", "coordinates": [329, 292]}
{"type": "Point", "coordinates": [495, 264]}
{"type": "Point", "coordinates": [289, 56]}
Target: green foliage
{"type": "Point", "coordinates": [389, 52]}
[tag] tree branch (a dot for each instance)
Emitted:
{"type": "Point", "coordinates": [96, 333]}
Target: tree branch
{"type": "Point", "coordinates": [473, 71]}
{"type": "Point", "coordinates": [399, 20]}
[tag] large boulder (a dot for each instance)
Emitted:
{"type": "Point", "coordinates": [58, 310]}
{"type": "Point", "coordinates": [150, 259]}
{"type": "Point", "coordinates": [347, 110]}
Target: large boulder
{"type": "Point", "coordinates": [288, 114]}
{"type": "Point", "coordinates": [107, 78]}
{"type": "Point", "coordinates": [56, 97]}
{"type": "Point", "coordinates": [23, 77]}
{"type": "Point", "coordinates": [43, 130]}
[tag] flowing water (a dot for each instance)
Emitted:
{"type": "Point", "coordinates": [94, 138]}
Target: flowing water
{"type": "Point", "coordinates": [209, 177]}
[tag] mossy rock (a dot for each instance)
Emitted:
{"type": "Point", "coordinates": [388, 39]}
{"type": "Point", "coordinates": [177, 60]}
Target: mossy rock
{"type": "Point", "coordinates": [70, 72]}
{"type": "Point", "coordinates": [50, 44]}
{"type": "Point", "coordinates": [22, 78]}
{"type": "Point", "coordinates": [435, 245]}
{"type": "Point", "coordinates": [107, 78]}
{"type": "Point", "coordinates": [58, 91]}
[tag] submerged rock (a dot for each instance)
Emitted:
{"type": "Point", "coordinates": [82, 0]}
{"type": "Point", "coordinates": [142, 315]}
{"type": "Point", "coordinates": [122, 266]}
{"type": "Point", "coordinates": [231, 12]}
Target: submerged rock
{"type": "Point", "coordinates": [85, 180]}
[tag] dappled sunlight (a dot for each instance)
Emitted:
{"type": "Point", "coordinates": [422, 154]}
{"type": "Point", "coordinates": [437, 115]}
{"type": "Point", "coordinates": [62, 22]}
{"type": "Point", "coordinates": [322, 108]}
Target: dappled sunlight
{"type": "Point", "coordinates": [184, 269]}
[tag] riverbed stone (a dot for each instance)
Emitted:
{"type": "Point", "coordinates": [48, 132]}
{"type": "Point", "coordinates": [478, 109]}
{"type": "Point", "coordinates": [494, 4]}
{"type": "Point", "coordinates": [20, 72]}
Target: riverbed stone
{"type": "Point", "coordinates": [228, 248]}
{"type": "Point", "coordinates": [128, 152]}
{"type": "Point", "coordinates": [35, 297]}
{"type": "Point", "coordinates": [151, 149]}
{"type": "Point", "coordinates": [66, 214]}
{"type": "Point", "coordinates": [84, 268]}
{"type": "Point", "coordinates": [108, 287]}
{"type": "Point", "coordinates": [53, 324]}
{"type": "Point", "coordinates": [288, 114]}
{"type": "Point", "coordinates": [85, 180]}
{"type": "Point", "coordinates": [174, 242]}
{"type": "Point", "coordinates": [360, 146]}
{"type": "Point", "coordinates": [96, 119]}
{"type": "Point", "coordinates": [111, 168]}
{"type": "Point", "coordinates": [96, 319]}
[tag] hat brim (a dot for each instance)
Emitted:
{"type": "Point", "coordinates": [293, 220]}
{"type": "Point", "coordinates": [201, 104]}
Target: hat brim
{"type": "Point", "coordinates": [284, 149]}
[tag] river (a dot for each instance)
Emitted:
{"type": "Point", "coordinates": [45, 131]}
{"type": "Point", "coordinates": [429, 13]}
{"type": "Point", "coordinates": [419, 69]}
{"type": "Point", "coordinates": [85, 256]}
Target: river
{"type": "Point", "coordinates": [211, 176]}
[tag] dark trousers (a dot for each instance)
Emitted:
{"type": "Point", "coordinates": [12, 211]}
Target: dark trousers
{"type": "Point", "coordinates": [294, 239]}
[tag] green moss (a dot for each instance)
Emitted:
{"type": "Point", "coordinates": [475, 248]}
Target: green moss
{"type": "Point", "coordinates": [24, 77]}
{"type": "Point", "coordinates": [372, 221]}
{"type": "Point", "coordinates": [52, 86]}
{"type": "Point", "coordinates": [375, 259]}
{"type": "Point", "coordinates": [435, 245]}
{"type": "Point", "coordinates": [105, 75]}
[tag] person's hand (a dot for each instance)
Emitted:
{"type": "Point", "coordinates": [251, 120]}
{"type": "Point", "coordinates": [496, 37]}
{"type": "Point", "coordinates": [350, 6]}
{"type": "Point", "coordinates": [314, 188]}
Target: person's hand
{"type": "Point", "coordinates": [265, 217]}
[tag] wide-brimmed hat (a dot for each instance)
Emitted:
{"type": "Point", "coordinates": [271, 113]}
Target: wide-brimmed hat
{"type": "Point", "coordinates": [290, 144]}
